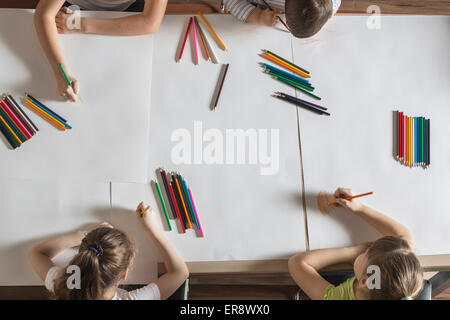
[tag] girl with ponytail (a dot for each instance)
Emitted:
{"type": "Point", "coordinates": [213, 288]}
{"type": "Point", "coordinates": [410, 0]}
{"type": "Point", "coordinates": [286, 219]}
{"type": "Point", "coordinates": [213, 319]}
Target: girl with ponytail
{"type": "Point", "coordinates": [104, 258]}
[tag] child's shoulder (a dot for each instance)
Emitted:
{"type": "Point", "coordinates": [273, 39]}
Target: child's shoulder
{"type": "Point", "coordinates": [344, 291]}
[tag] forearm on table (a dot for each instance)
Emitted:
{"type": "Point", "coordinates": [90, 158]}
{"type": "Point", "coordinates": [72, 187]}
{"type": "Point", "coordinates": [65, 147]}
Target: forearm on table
{"type": "Point", "coordinates": [44, 21]}
{"type": "Point", "coordinates": [322, 258]}
{"type": "Point", "coordinates": [51, 247]}
{"type": "Point", "coordinates": [385, 225]}
{"type": "Point", "coordinates": [146, 22]}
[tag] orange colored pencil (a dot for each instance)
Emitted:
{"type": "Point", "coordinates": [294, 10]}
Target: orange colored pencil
{"type": "Point", "coordinates": [285, 65]}
{"type": "Point", "coordinates": [11, 130]}
{"type": "Point", "coordinates": [184, 205]}
{"type": "Point", "coordinates": [352, 197]}
{"type": "Point", "coordinates": [212, 31]}
{"type": "Point", "coordinates": [45, 115]}
{"type": "Point", "coordinates": [202, 36]}
{"type": "Point", "coordinates": [304, 74]}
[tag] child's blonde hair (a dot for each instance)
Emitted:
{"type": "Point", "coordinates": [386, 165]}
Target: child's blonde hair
{"type": "Point", "coordinates": [400, 270]}
{"type": "Point", "coordinates": [104, 255]}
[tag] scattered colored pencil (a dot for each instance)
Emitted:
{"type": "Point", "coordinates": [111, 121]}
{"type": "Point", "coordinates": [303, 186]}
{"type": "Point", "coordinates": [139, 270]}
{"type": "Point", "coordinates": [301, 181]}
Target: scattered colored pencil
{"type": "Point", "coordinates": [202, 37]}
{"type": "Point", "coordinates": [207, 43]}
{"type": "Point", "coordinates": [196, 214]}
{"type": "Point", "coordinates": [306, 87]}
{"type": "Point", "coordinates": [163, 204]}
{"type": "Point", "coordinates": [212, 31]}
{"type": "Point", "coordinates": [47, 109]}
{"type": "Point", "coordinates": [268, 52]}
{"type": "Point", "coordinates": [34, 107]}
{"type": "Point", "coordinates": [285, 73]}
{"type": "Point", "coordinates": [11, 98]}
{"type": "Point", "coordinates": [185, 39]}
{"type": "Point", "coordinates": [297, 87]}
{"type": "Point", "coordinates": [352, 197]}
{"type": "Point", "coordinates": [285, 65]}
{"type": "Point", "coordinates": [301, 103]}
{"type": "Point", "coordinates": [194, 30]}
{"type": "Point", "coordinates": [222, 80]}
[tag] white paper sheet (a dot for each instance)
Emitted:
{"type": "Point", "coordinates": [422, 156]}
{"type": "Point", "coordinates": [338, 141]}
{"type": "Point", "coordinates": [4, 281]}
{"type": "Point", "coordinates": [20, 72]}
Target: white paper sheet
{"type": "Point", "coordinates": [33, 211]}
{"type": "Point", "coordinates": [246, 215]}
{"type": "Point", "coordinates": [110, 126]}
{"type": "Point", "coordinates": [363, 76]}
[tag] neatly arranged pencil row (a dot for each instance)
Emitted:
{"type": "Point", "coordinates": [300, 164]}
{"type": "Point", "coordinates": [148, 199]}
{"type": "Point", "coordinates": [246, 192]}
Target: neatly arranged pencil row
{"type": "Point", "coordinates": [196, 28]}
{"type": "Point", "coordinates": [295, 76]}
{"type": "Point", "coordinates": [412, 140]}
{"type": "Point", "coordinates": [15, 124]}
{"type": "Point", "coordinates": [46, 113]}
{"type": "Point", "coordinates": [181, 201]}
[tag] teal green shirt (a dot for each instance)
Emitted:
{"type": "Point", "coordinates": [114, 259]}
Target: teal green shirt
{"type": "Point", "coordinates": [344, 291]}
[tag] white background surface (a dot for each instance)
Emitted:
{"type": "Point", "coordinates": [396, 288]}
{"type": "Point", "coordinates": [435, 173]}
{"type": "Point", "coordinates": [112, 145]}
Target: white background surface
{"type": "Point", "coordinates": [110, 126]}
{"type": "Point", "coordinates": [364, 75]}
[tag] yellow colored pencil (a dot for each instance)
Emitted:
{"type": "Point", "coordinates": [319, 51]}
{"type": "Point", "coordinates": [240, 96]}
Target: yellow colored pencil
{"type": "Point", "coordinates": [45, 115]}
{"type": "Point", "coordinates": [305, 75]}
{"type": "Point", "coordinates": [212, 31]}
{"type": "Point", "coordinates": [11, 130]}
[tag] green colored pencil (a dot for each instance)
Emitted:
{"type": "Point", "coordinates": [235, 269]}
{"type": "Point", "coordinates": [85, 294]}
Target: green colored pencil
{"type": "Point", "coordinates": [68, 80]}
{"type": "Point", "coordinates": [274, 73]}
{"type": "Point", "coordinates": [163, 205]}
{"type": "Point", "coordinates": [298, 87]}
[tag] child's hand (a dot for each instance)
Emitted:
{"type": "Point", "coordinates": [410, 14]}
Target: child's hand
{"type": "Point", "coordinates": [353, 205]}
{"type": "Point", "coordinates": [65, 90]}
{"type": "Point", "coordinates": [269, 17]}
{"type": "Point", "coordinates": [147, 216]}
{"type": "Point", "coordinates": [68, 21]}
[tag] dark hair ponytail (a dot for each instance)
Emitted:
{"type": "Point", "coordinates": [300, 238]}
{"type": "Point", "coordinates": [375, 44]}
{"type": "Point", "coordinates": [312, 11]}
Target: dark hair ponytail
{"type": "Point", "coordinates": [103, 257]}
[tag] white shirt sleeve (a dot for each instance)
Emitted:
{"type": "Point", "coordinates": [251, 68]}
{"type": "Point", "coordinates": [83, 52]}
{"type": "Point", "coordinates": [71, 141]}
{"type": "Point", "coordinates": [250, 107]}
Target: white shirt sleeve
{"type": "Point", "coordinates": [336, 5]}
{"type": "Point", "coordinates": [51, 276]}
{"type": "Point", "coordinates": [149, 292]}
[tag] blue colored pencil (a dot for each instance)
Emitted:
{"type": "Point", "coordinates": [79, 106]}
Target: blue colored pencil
{"type": "Point", "coordinates": [49, 111]}
{"type": "Point", "coordinates": [189, 200]}
{"type": "Point", "coordinates": [293, 76]}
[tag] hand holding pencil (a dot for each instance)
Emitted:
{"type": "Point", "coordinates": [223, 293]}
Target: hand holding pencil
{"type": "Point", "coordinates": [353, 205]}
{"type": "Point", "coordinates": [68, 86]}
{"type": "Point", "coordinates": [147, 217]}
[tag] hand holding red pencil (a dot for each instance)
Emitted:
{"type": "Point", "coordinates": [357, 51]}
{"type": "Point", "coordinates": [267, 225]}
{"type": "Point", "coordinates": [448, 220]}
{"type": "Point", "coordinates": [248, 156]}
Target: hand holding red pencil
{"type": "Point", "coordinates": [353, 205]}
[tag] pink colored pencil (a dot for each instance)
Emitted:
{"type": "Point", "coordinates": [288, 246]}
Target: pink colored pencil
{"type": "Point", "coordinates": [185, 39]}
{"type": "Point", "coordinates": [194, 29]}
{"type": "Point", "coordinates": [196, 215]}
{"type": "Point", "coordinates": [16, 120]}
{"type": "Point", "coordinates": [404, 140]}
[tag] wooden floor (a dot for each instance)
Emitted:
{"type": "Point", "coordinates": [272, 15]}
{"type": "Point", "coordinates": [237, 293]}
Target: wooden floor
{"type": "Point", "coordinates": [441, 7]}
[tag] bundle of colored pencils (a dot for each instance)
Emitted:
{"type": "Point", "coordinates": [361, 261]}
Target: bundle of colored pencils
{"type": "Point", "coordinates": [412, 141]}
{"type": "Point", "coordinates": [196, 28]}
{"type": "Point", "coordinates": [15, 124]}
{"type": "Point", "coordinates": [181, 201]}
{"type": "Point", "coordinates": [302, 103]}
{"type": "Point", "coordinates": [295, 76]}
{"type": "Point", "coordinates": [46, 113]}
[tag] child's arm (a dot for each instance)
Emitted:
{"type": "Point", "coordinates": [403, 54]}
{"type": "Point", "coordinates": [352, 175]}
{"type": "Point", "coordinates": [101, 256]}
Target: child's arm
{"type": "Point", "coordinates": [138, 24]}
{"type": "Point", "coordinates": [245, 11]}
{"type": "Point", "coordinates": [304, 267]}
{"type": "Point", "coordinates": [381, 222]}
{"type": "Point", "coordinates": [177, 271]}
{"type": "Point", "coordinates": [44, 21]}
{"type": "Point", "coordinates": [41, 254]}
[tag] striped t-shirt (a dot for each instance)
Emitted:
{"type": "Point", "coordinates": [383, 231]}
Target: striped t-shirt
{"type": "Point", "coordinates": [241, 9]}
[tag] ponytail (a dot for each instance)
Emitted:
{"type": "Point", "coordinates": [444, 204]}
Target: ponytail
{"type": "Point", "coordinates": [104, 255]}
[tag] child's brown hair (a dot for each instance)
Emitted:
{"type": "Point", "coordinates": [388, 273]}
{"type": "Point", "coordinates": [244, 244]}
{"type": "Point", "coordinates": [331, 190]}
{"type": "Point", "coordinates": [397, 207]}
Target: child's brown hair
{"type": "Point", "coordinates": [104, 255]}
{"type": "Point", "coordinates": [400, 270]}
{"type": "Point", "coordinates": [306, 17]}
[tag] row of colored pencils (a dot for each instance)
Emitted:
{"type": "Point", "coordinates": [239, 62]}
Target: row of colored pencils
{"type": "Point", "coordinates": [181, 201]}
{"type": "Point", "coordinates": [295, 76]}
{"type": "Point", "coordinates": [196, 28]}
{"type": "Point", "coordinates": [412, 146]}
{"type": "Point", "coordinates": [15, 125]}
{"type": "Point", "coordinates": [46, 113]}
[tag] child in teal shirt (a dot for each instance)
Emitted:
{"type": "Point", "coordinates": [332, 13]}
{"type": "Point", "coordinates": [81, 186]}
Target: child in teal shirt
{"type": "Point", "coordinates": [391, 258]}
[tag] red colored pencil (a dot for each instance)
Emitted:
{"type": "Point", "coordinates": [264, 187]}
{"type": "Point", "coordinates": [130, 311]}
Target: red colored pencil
{"type": "Point", "coordinates": [19, 124]}
{"type": "Point", "coordinates": [177, 209]}
{"type": "Point", "coordinates": [185, 38]}
{"type": "Point", "coordinates": [404, 138]}
{"type": "Point", "coordinates": [400, 132]}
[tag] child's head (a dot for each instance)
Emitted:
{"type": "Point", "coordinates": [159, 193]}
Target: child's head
{"type": "Point", "coordinates": [104, 257]}
{"type": "Point", "coordinates": [400, 270]}
{"type": "Point", "coordinates": [306, 17]}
